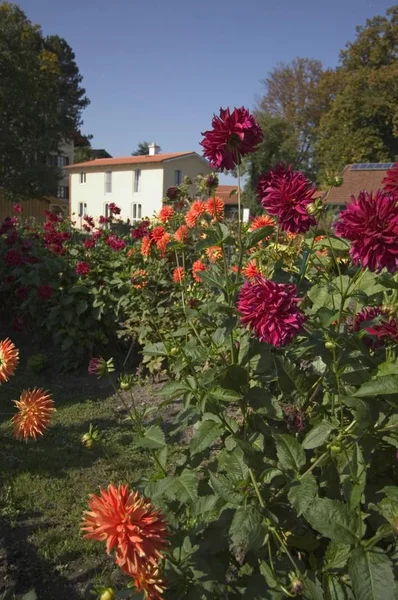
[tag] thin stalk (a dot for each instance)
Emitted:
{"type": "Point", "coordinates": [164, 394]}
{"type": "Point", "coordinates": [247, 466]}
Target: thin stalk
{"type": "Point", "coordinates": [256, 488]}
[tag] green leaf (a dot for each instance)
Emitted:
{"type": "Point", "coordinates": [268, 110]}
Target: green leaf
{"type": "Point", "coordinates": [336, 590]}
{"type": "Point", "coordinates": [318, 435]}
{"type": "Point", "coordinates": [266, 570]}
{"type": "Point", "coordinates": [263, 403]}
{"type": "Point", "coordinates": [206, 433]}
{"type": "Point", "coordinates": [173, 389]}
{"type": "Point", "coordinates": [303, 493]}
{"type": "Point", "coordinates": [290, 377]}
{"type": "Point", "coordinates": [31, 595]}
{"type": "Point", "coordinates": [224, 488]}
{"type": "Point", "coordinates": [183, 488]}
{"type": "Point", "coordinates": [291, 455]}
{"type": "Point", "coordinates": [225, 395]}
{"type": "Point", "coordinates": [354, 477]}
{"type": "Point", "coordinates": [246, 529]}
{"type": "Point", "coordinates": [153, 438]}
{"type": "Point", "coordinates": [203, 505]}
{"type": "Point", "coordinates": [333, 519]}
{"type": "Point", "coordinates": [211, 279]}
{"type": "Point", "coordinates": [233, 463]}
{"type": "Point", "coordinates": [382, 386]}
{"type": "Point", "coordinates": [81, 306]}
{"type": "Point", "coordinates": [337, 555]}
{"type": "Point", "coordinates": [371, 575]}
{"type": "Point", "coordinates": [312, 590]}
{"type": "Point", "coordinates": [157, 349]}
{"type": "Point", "coordinates": [67, 343]}
{"type": "Point", "coordinates": [254, 237]}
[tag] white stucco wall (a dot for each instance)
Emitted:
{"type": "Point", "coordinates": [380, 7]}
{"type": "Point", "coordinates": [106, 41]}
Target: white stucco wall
{"type": "Point", "coordinates": [190, 166]}
{"type": "Point", "coordinates": [93, 191]}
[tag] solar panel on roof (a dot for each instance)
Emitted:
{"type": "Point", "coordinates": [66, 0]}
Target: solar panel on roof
{"type": "Point", "coordinates": [371, 166]}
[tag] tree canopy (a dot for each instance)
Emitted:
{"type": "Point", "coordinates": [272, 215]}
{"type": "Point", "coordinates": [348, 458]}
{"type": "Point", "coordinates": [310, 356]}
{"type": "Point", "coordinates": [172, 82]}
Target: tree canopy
{"type": "Point", "coordinates": [142, 149]}
{"type": "Point", "coordinates": [41, 100]}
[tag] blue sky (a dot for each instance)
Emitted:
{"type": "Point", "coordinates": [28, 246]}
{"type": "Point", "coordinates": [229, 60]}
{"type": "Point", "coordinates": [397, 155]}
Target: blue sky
{"type": "Point", "coordinates": [156, 70]}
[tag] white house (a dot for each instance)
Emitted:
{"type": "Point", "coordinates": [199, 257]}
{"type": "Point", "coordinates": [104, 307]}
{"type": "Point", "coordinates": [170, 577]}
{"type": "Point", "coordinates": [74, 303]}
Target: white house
{"type": "Point", "coordinates": [136, 184]}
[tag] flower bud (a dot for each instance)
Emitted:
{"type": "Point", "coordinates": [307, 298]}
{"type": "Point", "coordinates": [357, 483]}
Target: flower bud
{"type": "Point", "coordinates": [100, 366]}
{"type": "Point", "coordinates": [173, 193]}
{"type": "Point", "coordinates": [126, 383]}
{"type": "Point", "coordinates": [335, 450]}
{"type": "Point", "coordinates": [297, 586]}
{"type": "Point", "coordinates": [329, 345]}
{"type": "Point", "coordinates": [337, 181]}
{"type": "Point", "coordinates": [91, 437]}
{"type": "Point", "coordinates": [108, 594]}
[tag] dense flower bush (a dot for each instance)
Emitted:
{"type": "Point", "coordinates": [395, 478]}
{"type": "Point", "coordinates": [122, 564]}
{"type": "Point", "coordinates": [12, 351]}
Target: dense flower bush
{"type": "Point", "coordinates": [279, 339]}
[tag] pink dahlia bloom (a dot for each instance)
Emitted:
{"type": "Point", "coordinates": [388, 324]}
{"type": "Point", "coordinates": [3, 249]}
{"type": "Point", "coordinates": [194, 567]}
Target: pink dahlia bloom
{"type": "Point", "coordinates": [270, 310]}
{"type": "Point", "coordinates": [115, 243]}
{"type": "Point", "coordinates": [370, 223]}
{"type": "Point", "coordinates": [233, 135]}
{"type": "Point", "coordinates": [390, 181]}
{"type": "Point", "coordinates": [286, 194]}
{"type": "Point", "coordinates": [377, 322]}
{"type": "Point", "coordinates": [82, 268]}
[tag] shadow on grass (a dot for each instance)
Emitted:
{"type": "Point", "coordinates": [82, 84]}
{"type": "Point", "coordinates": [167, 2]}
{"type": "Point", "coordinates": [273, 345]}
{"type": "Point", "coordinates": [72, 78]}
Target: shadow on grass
{"type": "Point", "coordinates": [21, 568]}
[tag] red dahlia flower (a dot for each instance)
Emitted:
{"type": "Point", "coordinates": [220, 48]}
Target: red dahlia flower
{"type": "Point", "coordinates": [384, 327]}
{"type": "Point", "coordinates": [35, 408]}
{"type": "Point", "coordinates": [82, 268]}
{"type": "Point", "coordinates": [261, 221]}
{"type": "Point", "coordinates": [146, 246]}
{"type": "Point", "coordinates": [14, 258]}
{"type": "Point", "coordinates": [45, 291]}
{"type": "Point", "coordinates": [370, 223]}
{"type": "Point", "coordinates": [129, 524]}
{"type": "Point", "coordinates": [270, 310]}
{"type": "Point", "coordinates": [198, 266]}
{"type": "Point", "coordinates": [115, 243]}
{"type": "Point", "coordinates": [89, 244]}
{"type": "Point", "coordinates": [214, 253]}
{"type": "Point", "coordinates": [215, 208]}
{"type": "Point", "coordinates": [17, 208]}
{"type": "Point", "coordinates": [178, 274]}
{"type": "Point", "coordinates": [181, 235]}
{"type": "Point", "coordinates": [285, 194]}
{"type": "Point", "coordinates": [161, 244]}
{"type": "Point", "coordinates": [140, 231]}
{"type": "Point", "coordinates": [114, 209]}
{"type": "Point", "coordinates": [9, 359]}
{"type": "Point", "coordinates": [157, 233]}
{"type": "Point", "coordinates": [233, 135]}
{"type": "Point", "coordinates": [251, 271]}
{"type": "Point", "coordinates": [390, 181]}
{"type": "Point", "coordinates": [172, 193]}
{"type": "Point", "coordinates": [166, 214]}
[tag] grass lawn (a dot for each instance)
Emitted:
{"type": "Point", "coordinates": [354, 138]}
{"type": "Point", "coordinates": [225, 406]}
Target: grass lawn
{"type": "Point", "coordinates": [44, 486]}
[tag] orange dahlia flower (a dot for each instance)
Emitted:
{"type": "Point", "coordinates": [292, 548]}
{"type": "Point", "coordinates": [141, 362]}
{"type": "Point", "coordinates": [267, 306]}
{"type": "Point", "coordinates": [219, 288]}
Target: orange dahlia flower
{"type": "Point", "coordinates": [35, 409]}
{"type": "Point", "coordinates": [129, 524]}
{"type": "Point", "coordinates": [166, 213]}
{"type": "Point", "coordinates": [261, 221]}
{"type": "Point", "coordinates": [139, 279]}
{"type": "Point", "coordinates": [178, 274]}
{"type": "Point", "coordinates": [214, 253]}
{"type": "Point", "coordinates": [146, 246]}
{"type": "Point", "coordinates": [9, 359]}
{"type": "Point", "coordinates": [197, 209]}
{"type": "Point", "coordinates": [323, 251]}
{"type": "Point", "coordinates": [215, 208]}
{"type": "Point", "coordinates": [250, 271]}
{"type": "Point", "coordinates": [198, 266]}
{"type": "Point", "coordinates": [148, 580]}
{"type": "Point", "coordinates": [181, 234]}
{"type": "Point", "coordinates": [162, 242]}
{"type": "Point", "coordinates": [157, 233]}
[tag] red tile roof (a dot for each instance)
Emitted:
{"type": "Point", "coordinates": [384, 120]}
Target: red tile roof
{"type": "Point", "coordinates": [224, 192]}
{"type": "Point", "coordinates": [355, 181]}
{"type": "Point", "coordinates": [132, 160]}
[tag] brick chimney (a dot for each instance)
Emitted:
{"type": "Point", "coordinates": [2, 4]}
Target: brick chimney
{"type": "Point", "coordinates": [153, 149]}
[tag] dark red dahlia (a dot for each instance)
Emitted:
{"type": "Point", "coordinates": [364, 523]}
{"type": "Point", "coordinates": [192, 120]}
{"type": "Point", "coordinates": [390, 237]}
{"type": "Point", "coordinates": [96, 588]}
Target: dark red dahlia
{"type": "Point", "coordinates": [286, 194]}
{"type": "Point", "coordinates": [233, 135]}
{"type": "Point", "coordinates": [140, 231]}
{"type": "Point", "coordinates": [89, 220]}
{"type": "Point", "coordinates": [114, 209]}
{"type": "Point", "coordinates": [14, 258]}
{"type": "Point", "coordinates": [173, 193]}
{"type": "Point", "coordinates": [90, 243]}
{"type": "Point", "coordinates": [12, 238]}
{"type": "Point", "coordinates": [97, 234]}
{"type": "Point", "coordinates": [270, 310]}
{"type": "Point", "coordinates": [370, 223]}
{"type": "Point", "coordinates": [45, 291]}
{"type": "Point", "coordinates": [18, 324]}
{"type": "Point", "coordinates": [115, 243]}
{"type": "Point", "coordinates": [377, 322]}
{"type": "Point", "coordinates": [82, 268]}
{"type": "Point", "coordinates": [23, 292]}
{"type": "Point", "coordinates": [390, 181]}
{"type": "Point", "coordinates": [17, 208]}
{"type": "Point", "coordinates": [103, 220]}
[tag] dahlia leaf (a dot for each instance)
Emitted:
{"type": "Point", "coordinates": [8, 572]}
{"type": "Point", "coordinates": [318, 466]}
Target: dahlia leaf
{"type": "Point", "coordinates": [371, 575]}
{"type": "Point", "coordinates": [157, 349]}
{"type": "Point", "coordinates": [353, 477]}
{"type": "Point", "coordinates": [212, 280]}
{"type": "Point", "coordinates": [247, 530]}
{"type": "Point", "coordinates": [318, 435]}
{"type": "Point", "coordinates": [224, 488]}
{"type": "Point", "coordinates": [336, 590]}
{"type": "Point", "coordinates": [204, 436]}
{"type": "Point", "coordinates": [302, 493]}
{"type": "Point", "coordinates": [337, 555]}
{"type": "Point", "coordinates": [153, 438]}
{"type": "Point", "coordinates": [333, 519]}
{"type": "Point", "coordinates": [291, 455]}
{"type": "Point", "coordinates": [382, 386]}
{"type": "Point", "coordinates": [290, 377]}
{"type": "Point", "coordinates": [258, 235]}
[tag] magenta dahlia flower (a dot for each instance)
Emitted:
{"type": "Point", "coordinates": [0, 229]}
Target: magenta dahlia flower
{"type": "Point", "coordinates": [270, 310]}
{"type": "Point", "coordinates": [378, 322]}
{"type": "Point", "coordinates": [286, 194]}
{"type": "Point", "coordinates": [82, 268]}
{"type": "Point", "coordinates": [370, 223]}
{"type": "Point", "coordinates": [390, 181]}
{"type": "Point", "coordinates": [115, 243]}
{"type": "Point", "coordinates": [233, 135]}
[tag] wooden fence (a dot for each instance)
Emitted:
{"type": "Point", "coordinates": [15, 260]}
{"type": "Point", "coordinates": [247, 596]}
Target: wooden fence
{"type": "Point", "coordinates": [30, 208]}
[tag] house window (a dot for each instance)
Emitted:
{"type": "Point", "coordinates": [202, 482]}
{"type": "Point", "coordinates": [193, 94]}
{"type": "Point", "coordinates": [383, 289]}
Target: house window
{"type": "Point", "coordinates": [177, 177]}
{"type": "Point", "coordinates": [108, 182]}
{"type": "Point", "coordinates": [106, 210]}
{"type": "Point", "coordinates": [136, 212]}
{"type": "Point", "coordinates": [137, 181]}
{"type": "Point", "coordinates": [82, 177]}
{"type": "Point", "coordinates": [62, 161]}
{"type": "Point", "coordinates": [82, 209]}
{"type": "Point", "coordinates": [62, 192]}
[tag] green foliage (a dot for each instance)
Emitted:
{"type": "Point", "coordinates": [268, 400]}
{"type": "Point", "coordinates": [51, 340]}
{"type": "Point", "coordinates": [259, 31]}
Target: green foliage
{"type": "Point", "coordinates": [38, 363]}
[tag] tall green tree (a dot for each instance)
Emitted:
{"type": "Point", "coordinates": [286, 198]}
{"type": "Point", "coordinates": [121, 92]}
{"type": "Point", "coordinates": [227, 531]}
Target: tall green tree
{"type": "Point", "coordinates": [142, 149]}
{"type": "Point", "coordinates": [362, 122]}
{"type": "Point", "coordinates": [41, 100]}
